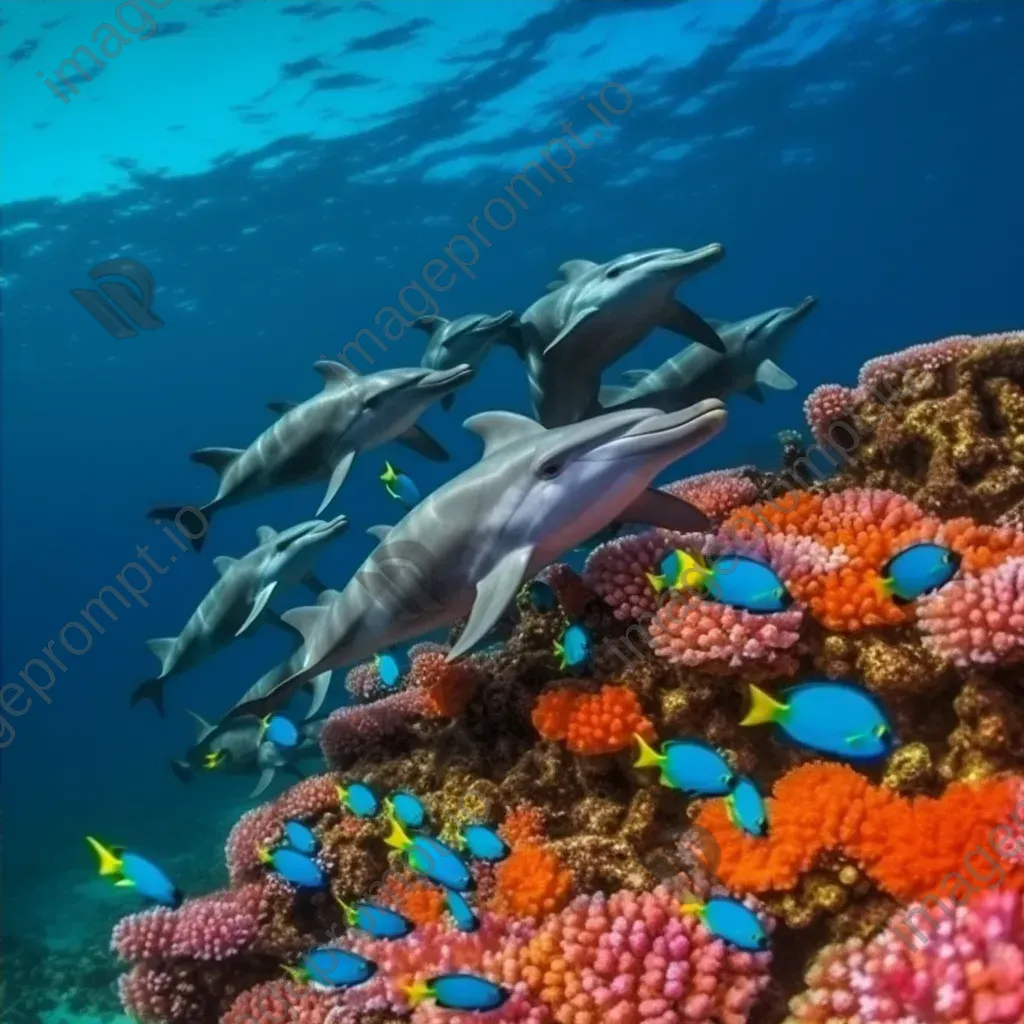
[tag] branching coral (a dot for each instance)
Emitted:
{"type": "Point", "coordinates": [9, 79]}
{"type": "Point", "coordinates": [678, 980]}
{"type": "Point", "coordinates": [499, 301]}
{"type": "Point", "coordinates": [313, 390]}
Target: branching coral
{"type": "Point", "coordinates": [446, 686]}
{"type": "Point", "coordinates": [719, 491]}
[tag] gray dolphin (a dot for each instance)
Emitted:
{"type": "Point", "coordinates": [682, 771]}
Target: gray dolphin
{"type": "Point", "coordinates": [597, 313]}
{"type": "Point", "coordinates": [238, 602]}
{"type": "Point", "coordinates": [748, 365]}
{"type": "Point", "coordinates": [266, 696]}
{"type": "Point", "coordinates": [467, 339]}
{"type": "Point", "coordinates": [534, 495]}
{"type": "Point", "coordinates": [320, 437]}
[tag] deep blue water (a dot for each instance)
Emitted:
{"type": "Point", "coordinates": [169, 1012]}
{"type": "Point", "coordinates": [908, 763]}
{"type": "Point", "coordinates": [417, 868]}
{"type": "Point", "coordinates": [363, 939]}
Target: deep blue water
{"type": "Point", "coordinates": [867, 153]}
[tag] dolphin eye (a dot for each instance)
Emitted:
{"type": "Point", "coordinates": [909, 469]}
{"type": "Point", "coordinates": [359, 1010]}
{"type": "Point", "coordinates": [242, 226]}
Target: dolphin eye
{"type": "Point", "coordinates": [613, 272]}
{"type": "Point", "coordinates": [549, 470]}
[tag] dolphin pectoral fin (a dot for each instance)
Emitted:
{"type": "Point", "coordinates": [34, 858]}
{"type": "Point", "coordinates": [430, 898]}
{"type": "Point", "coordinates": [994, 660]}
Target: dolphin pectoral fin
{"type": "Point", "coordinates": [658, 508]}
{"type": "Point", "coordinates": [754, 392]}
{"type": "Point", "coordinates": [683, 320]}
{"type": "Point", "coordinates": [574, 324]}
{"type": "Point", "coordinates": [493, 595]}
{"type": "Point", "coordinates": [314, 583]}
{"type": "Point", "coordinates": [423, 444]}
{"type": "Point", "coordinates": [281, 407]}
{"type": "Point", "coordinates": [266, 777]}
{"type": "Point", "coordinates": [318, 687]}
{"type": "Point", "coordinates": [257, 607]}
{"type": "Point", "coordinates": [337, 479]}
{"type": "Point", "coordinates": [610, 394]}
{"type": "Point", "coordinates": [772, 376]}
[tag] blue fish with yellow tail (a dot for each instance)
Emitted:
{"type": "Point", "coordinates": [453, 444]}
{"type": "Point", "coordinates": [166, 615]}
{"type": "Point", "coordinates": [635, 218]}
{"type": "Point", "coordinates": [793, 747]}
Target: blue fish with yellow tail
{"type": "Point", "coordinates": [333, 968]}
{"type": "Point", "coordinates": [573, 649]}
{"type": "Point", "coordinates": [431, 858]}
{"type": "Point", "coordinates": [832, 718]}
{"type": "Point", "coordinates": [408, 809]}
{"type": "Point", "coordinates": [300, 837]}
{"type": "Point", "coordinates": [462, 913]}
{"type": "Point", "coordinates": [389, 668]}
{"type": "Point", "coordinates": [746, 809]}
{"type": "Point", "coordinates": [400, 486]}
{"type": "Point", "coordinates": [730, 920]}
{"type": "Point", "coordinates": [359, 799]}
{"type": "Point", "coordinates": [690, 765]}
{"type": "Point", "coordinates": [918, 570]}
{"type": "Point", "coordinates": [734, 580]}
{"type": "Point", "coordinates": [281, 731]}
{"type": "Point", "coordinates": [132, 871]}
{"type": "Point", "coordinates": [294, 867]}
{"type": "Point", "coordinates": [378, 922]}
{"type": "Point", "coordinates": [214, 759]}
{"type": "Point", "coordinates": [467, 992]}
{"type": "Point", "coordinates": [483, 843]}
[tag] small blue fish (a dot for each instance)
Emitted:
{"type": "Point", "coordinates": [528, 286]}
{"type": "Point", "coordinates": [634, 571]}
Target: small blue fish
{"type": "Point", "coordinates": [279, 730]}
{"type": "Point", "coordinates": [130, 871]}
{"type": "Point", "coordinates": [573, 650]}
{"type": "Point", "coordinates": [458, 992]}
{"type": "Point", "coordinates": [359, 799]}
{"type": "Point", "coordinates": [300, 837]}
{"type": "Point", "coordinates": [730, 920]}
{"type": "Point", "coordinates": [400, 486]}
{"type": "Point", "coordinates": [294, 867]}
{"type": "Point", "coordinates": [833, 718]}
{"type": "Point", "coordinates": [484, 843]}
{"type": "Point", "coordinates": [408, 810]}
{"type": "Point", "coordinates": [542, 597]}
{"type": "Point", "coordinates": [689, 765]}
{"type": "Point", "coordinates": [377, 922]}
{"type": "Point", "coordinates": [463, 914]}
{"type": "Point", "coordinates": [746, 808]}
{"type": "Point", "coordinates": [432, 859]}
{"type": "Point", "coordinates": [918, 570]}
{"type": "Point", "coordinates": [735, 580]}
{"type": "Point", "coordinates": [389, 668]}
{"type": "Point", "coordinates": [333, 968]}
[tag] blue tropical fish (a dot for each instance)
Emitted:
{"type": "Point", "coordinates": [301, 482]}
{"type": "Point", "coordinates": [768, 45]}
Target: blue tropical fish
{"type": "Point", "coordinates": [573, 650]}
{"type": "Point", "coordinates": [131, 871]}
{"type": "Point", "coordinates": [483, 843]}
{"type": "Point", "coordinates": [333, 968]}
{"type": "Point", "coordinates": [359, 799]}
{"type": "Point", "coordinates": [542, 597]}
{"type": "Point", "coordinates": [458, 992]}
{"type": "Point", "coordinates": [689, 765]}
{"type": "Point", "coordinates": [432, 859]}
{"type": "Point", "coordinates": [378, 922]}
{"type": "Point", "coordinates": [279, 730]}
{"type": "Point", "coordinates": [463, 914]}
{"type": "Point", "coordinates": [730, 920]}
{"type": "Point", "coordinates": [408, 809]}
{"type": "Point", "coordinates": [300, 837]}
{"type": "Point", "coordinates": [400, 486]}
{"type": "Point", "coordinates": [833, 718]}
{"type": "Point", "coordinates": [733, 579]}
{"type": "Point", "coordinates": [746, 809]}
{"type": "Point", "coordinates": [389, 668]}
{"type": "Point", "coordinates": [297, 868]}
{"type": "Point", "coordinates": [918, 570]}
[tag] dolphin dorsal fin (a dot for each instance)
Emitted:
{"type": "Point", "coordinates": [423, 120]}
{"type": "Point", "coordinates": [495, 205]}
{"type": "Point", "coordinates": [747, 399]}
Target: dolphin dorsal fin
{"type": "Point", "coordinates": [334, 374]}
{"type": "Point", "coordinates": [218, 459]}
{"type": "Point", "coordinates": [280, 408]}
{"type": "Point", "coordinates": [380, 533]}
{"type": "Point", "coordinates": [326, 597]}
{"type": "Point", "coordinates": [265, 534]}
{"type": "Point", "coordinates": [553, 286]}
{"type": "Point", "coordinates": [571, 269]}
{"type": "Point", "coordinates": [498, 428]}
{"type": "Point", "coordinates": [222, 563]}
{"type": "Point", "coordinates": [430, 324]}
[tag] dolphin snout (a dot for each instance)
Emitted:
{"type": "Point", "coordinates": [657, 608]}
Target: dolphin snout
{"type": "Point", "coordinates": [334, 526]}
{"type": "Point", "coordinates": [671, 434]}
{"type": "Point", "coordinates": [446, 380]}
{"type": "Point", "coordinates": [695, 260]}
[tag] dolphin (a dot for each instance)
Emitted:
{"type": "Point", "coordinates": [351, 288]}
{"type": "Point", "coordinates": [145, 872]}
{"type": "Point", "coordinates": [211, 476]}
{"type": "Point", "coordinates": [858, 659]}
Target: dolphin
{"type": "Point", "coordinates": [467, 339]}
{"type": "Point", "coordinates": [319, 438]}
{"type": "Point", "coordinates": [533, 496]}
{"type": "Point", "coordinates": [265, 695]}
{"type": "Point", "coordinates": [597, 313]}
{"type": "Point", "coordinates": [238, 602]}
{"type": "Point", "coordinates": [748, 365]}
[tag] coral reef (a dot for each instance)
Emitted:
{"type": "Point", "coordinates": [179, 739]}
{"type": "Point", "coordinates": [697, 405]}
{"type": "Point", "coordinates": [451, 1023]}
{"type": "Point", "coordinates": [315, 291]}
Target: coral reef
{"type": "Point", "coordinates": [592, 723]}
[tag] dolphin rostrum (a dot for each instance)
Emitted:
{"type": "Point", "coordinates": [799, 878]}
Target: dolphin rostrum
{"type": "Point", "coordinates": [534, 495]}
{"type": "Point", "coordinates": [467, 339]}
{"type": "Point", "coordinates": [597, 313]}
{"type": "Point", "coordinates": [320, 437]}
{"type": "Point", "coordinates": [748, 365]}
{"type": "Point", "coordinates": [238, 602]}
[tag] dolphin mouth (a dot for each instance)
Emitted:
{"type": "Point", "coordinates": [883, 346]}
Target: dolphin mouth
{"type": "Point", "coordinates": [793, 315]}
{"type": "Point", "coordinates": [695, 260]}
{"type": "Point", "coordinates": [677, 432]}
{"type": "Point", "coordinates": [446, 380]}
{"type": "Point", "coordinates": [333, 526]}
{"type": "Point", "coordinates": [502, 320]}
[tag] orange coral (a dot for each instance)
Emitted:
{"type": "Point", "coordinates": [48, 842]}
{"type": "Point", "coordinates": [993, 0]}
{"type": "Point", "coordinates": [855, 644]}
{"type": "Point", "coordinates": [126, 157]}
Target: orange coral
{"type": "Point", "coordinates": [592, 723]}
{"type": "Point", "coordinates": [419, 901]}
{"type": "Point", "coordinates": [531, 882]}
{"type": "Point", "coordinates": [907, 846]}
{"type": "Point", "coordinates": [447, 685]}
{"type": "Point", "coordinates": [523, 824]}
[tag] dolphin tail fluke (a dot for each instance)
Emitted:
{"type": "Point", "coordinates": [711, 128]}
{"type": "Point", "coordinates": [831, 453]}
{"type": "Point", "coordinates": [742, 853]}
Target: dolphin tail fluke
{"type": "Point", "coordinates": [199, 516]}
{"type": "Point", "coordinates": [152, 690]}
{"type": "Point", "coordinates": [423, 444]}
{"type": "Point", "coordinates": [182, 770]}
{"type": "Point", "coordinates": [683, 320]}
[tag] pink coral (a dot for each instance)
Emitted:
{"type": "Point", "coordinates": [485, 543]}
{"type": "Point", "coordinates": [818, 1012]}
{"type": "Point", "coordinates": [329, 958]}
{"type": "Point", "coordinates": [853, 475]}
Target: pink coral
{"type": "Point", "coordinates": [977, 619]}
{"type": "Point", "coordinates": [278, 1001]}
{"type": "Point", "coordinates": [353, 728]}
{"type": "Point", "coordinates": [364, 683]}
{"type": "Point", "coordinates": [926, 358]}
{"type": "Point", "coordinates": [964, 969]}
{"type": "Point", "coordinates": [826, 404]}
{"type": "Point", "coordinates": [155, 995]}
{"type": "Point", "coordinates": [213, 927]}
{"type": "Point", "coordinates": [717, 492]}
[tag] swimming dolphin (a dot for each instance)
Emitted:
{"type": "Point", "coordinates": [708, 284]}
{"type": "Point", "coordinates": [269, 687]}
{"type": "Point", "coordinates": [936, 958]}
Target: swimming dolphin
{"type": "Point", "coordinates": [596, 314]}
{"type": "Point", "coordinates": [237, 602]}
{"type": "Point", "coordinates": [466, 339]}
{"type": "Point", "coordinates": [266, 696]}
{"type": "Point", "coordinates": [465, 550]}
{"type": "Point", "coordinates": [320, 437]}
{"type": "Point", "coordinates": [748, 365]}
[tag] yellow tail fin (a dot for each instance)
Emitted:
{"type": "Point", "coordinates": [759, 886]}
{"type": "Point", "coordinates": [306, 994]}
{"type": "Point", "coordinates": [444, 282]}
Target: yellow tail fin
{"type": "Point", "coordinates": [110, 863]}
{"type": "Point", "coordinates": [389, 476]}
{"type": "Point", "coordinates": [763, 708]}
{"type": "Point", "coordinates": [883, 587]}
{"type": "Point", "coordinates": [691, 908]}
{"type": "Point", "coordinates": [648, 758]}
{"type": "Point", "coordinates": [350, 914]}
{"type": "Point", "coordinates": [416, 992]}
{"type": "Point", "coordinates": [397, 837]}
{"type": "Point", "coordinates": [693, 573]}
{"type": "Point", "coordinates": [295, 973]}
{"type": "Point", "coordinates": [657, 583]}
{"type": "Point", "coordinates": [263, 855]}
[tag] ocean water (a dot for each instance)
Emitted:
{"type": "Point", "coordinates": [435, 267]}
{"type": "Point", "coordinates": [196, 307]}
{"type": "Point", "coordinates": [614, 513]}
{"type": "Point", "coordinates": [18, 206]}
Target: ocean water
{"type": "Point", "coordinates": [284, 171]}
